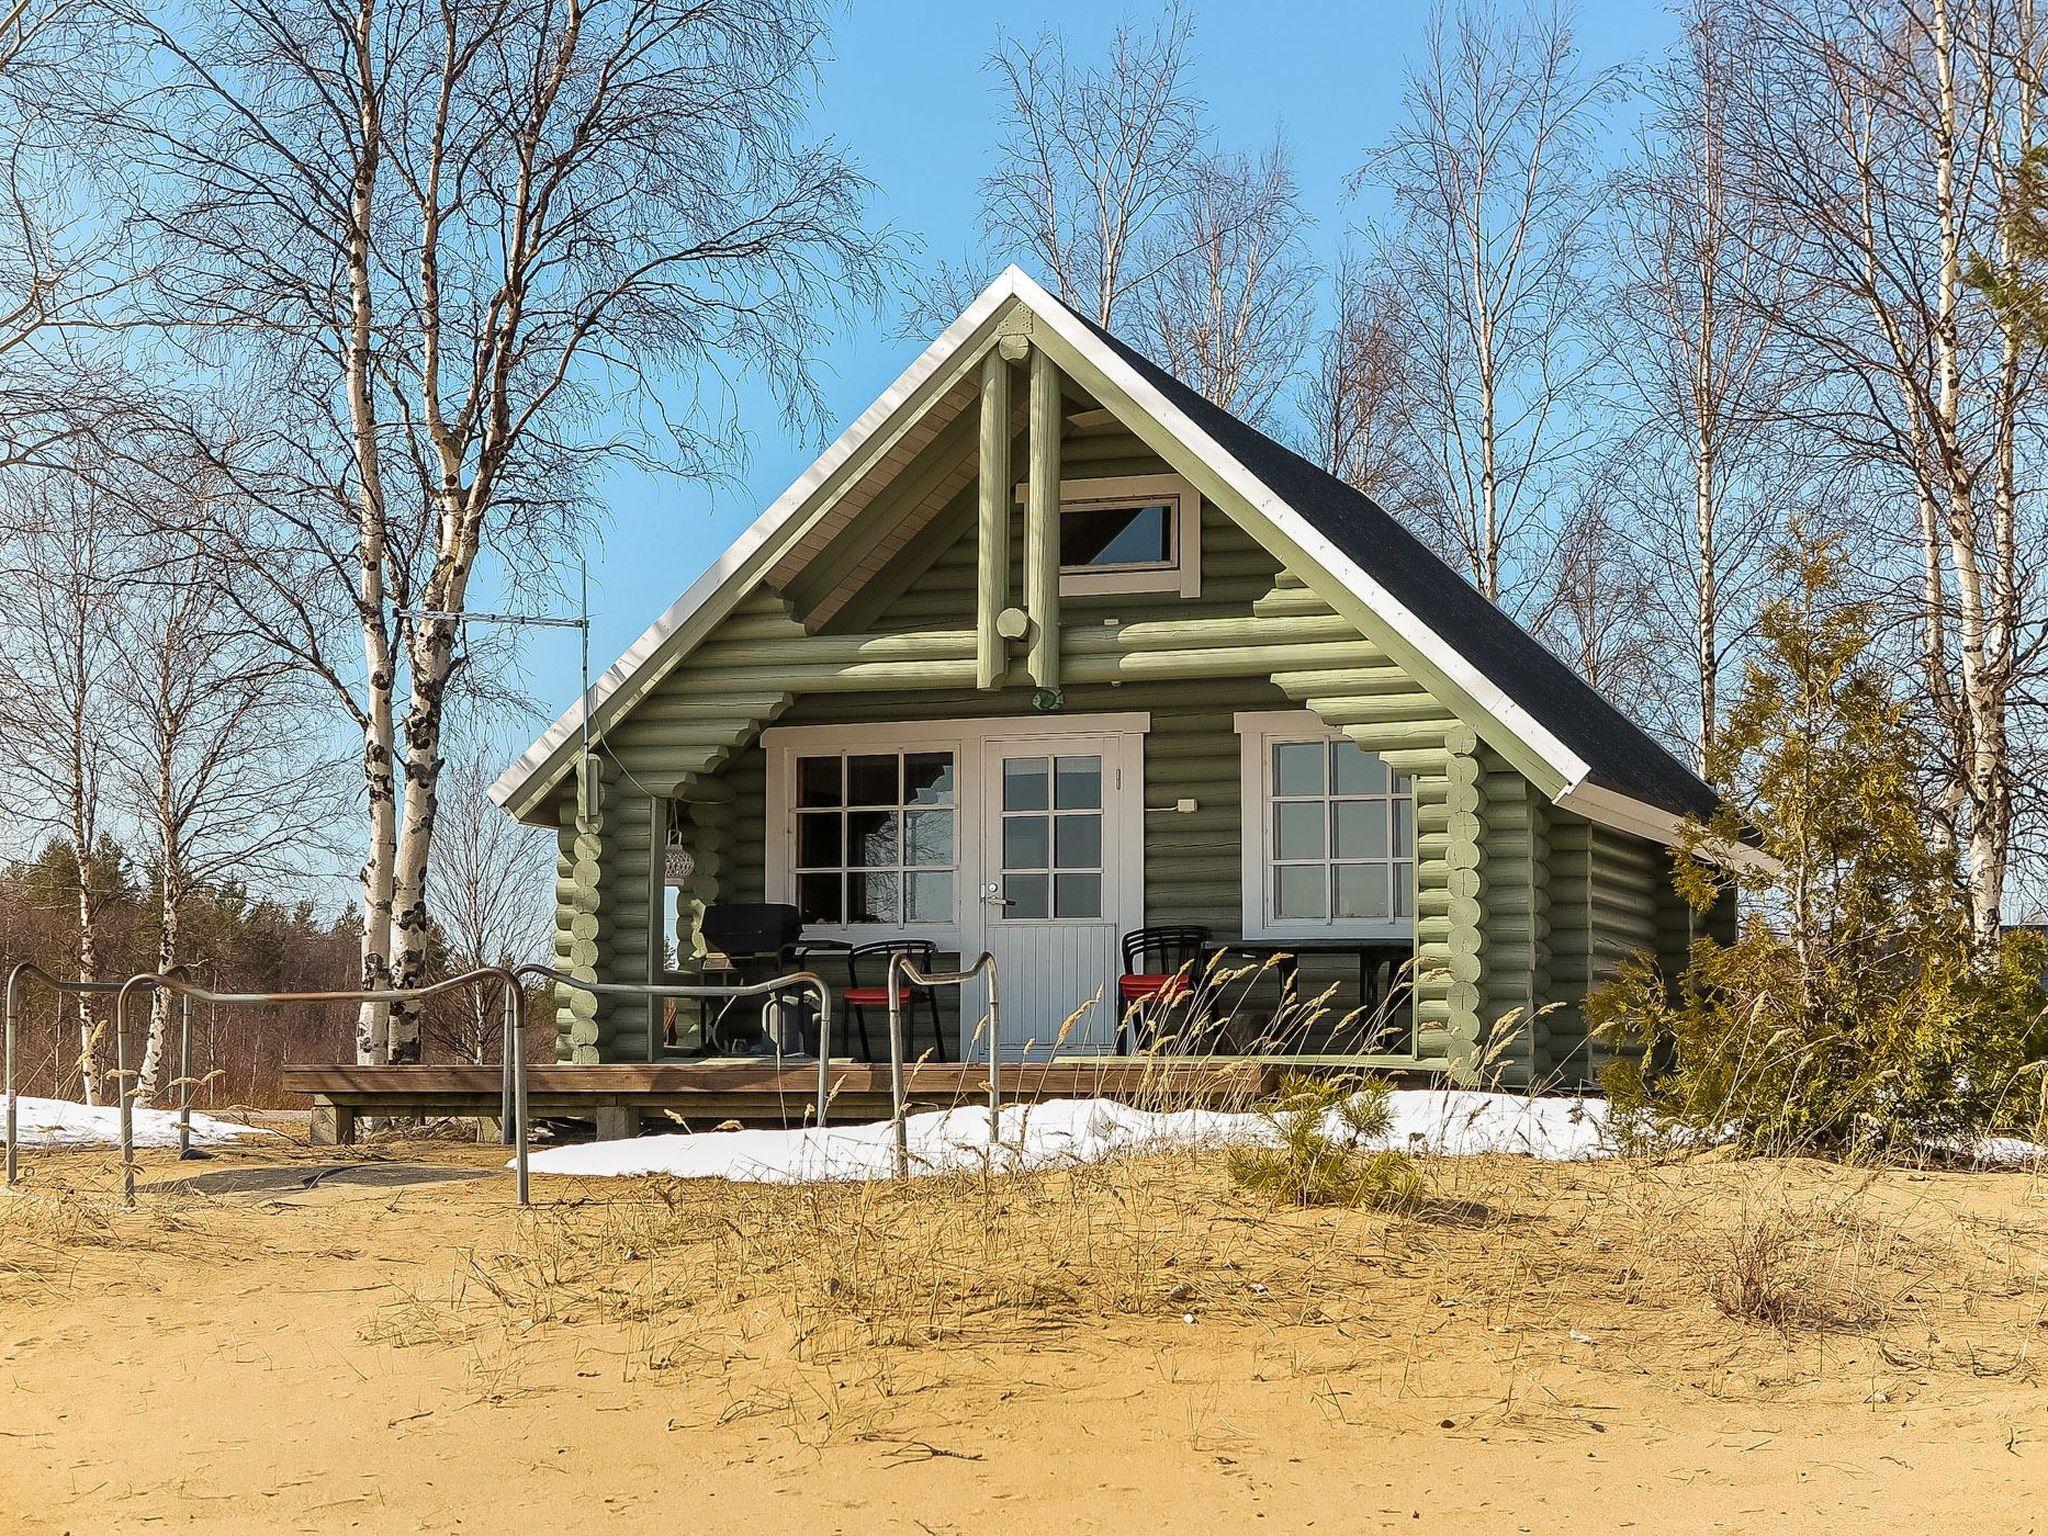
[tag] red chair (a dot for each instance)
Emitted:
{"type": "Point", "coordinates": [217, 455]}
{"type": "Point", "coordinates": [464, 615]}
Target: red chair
{"type": "Point", "coordinates": [921, 953]}
{"type": "Point", "coordinates": [1162, 966]}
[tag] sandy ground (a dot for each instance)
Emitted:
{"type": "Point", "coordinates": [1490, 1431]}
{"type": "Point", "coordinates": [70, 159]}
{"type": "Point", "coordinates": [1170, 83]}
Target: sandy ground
{"type": "Point", "coordinates": [1539, 1352]}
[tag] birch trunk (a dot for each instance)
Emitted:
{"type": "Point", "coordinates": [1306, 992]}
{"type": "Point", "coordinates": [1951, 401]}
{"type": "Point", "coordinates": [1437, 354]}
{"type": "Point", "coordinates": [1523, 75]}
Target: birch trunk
{"type": "Point", "coordinates": [379, 780]}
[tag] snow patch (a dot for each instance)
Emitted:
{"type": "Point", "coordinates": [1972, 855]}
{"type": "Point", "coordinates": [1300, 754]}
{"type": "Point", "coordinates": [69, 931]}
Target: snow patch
{"type": "Point", "coordinates": [62, 1123]}
{"type": "Point", "coordinates": [1065, 1132]}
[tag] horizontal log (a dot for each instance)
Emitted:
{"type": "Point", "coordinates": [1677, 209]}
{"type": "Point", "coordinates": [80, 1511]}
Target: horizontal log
{"type": "Point", "coordinates": [834, 650]}
{"type": "Point", "coordinates": [1208, 634]}
{"type": "Point", "coordinates": [1374, 709]}
{"type": "Point", "coordinates": [1227, 661]}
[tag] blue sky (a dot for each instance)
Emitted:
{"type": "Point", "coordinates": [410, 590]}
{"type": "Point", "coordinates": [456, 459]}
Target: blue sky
{"type": "Point", "coordinates": [904, 92]}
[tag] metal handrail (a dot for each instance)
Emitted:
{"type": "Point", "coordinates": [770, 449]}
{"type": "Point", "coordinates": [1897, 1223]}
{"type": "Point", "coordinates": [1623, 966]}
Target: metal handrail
{"type": "Point", "coordinates": [19, 972]}
{"type": "Point", "coordinates": [794, 981]}
{"type": "Point", "coordinates": [901, 965]}
{"type": "Point", "coordinates": [512, 1101]}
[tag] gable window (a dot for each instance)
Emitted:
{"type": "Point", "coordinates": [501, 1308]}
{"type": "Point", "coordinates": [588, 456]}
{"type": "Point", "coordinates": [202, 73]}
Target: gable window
{"type": "Point", "coordinates": [1130, 533]}
{"type": "Point", "coordinates": [1329, 834]}
{"type": "Point", "coordinates": [875, 837]}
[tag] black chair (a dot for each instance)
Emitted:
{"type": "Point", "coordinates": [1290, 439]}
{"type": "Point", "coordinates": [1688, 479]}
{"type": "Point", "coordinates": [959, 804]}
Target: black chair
{"type": "Point", "coordinates": [1162, 964]}
{"type": "Point", "coordinates": [860, 997]}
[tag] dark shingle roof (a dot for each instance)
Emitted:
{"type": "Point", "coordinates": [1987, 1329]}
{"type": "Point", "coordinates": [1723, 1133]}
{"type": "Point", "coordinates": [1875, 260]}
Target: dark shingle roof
{"type": "Point", "coordinates": [1620, 754]}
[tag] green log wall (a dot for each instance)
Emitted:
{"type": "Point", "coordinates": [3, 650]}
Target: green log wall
{"type": "Point", "coordinates": [1521, 907]}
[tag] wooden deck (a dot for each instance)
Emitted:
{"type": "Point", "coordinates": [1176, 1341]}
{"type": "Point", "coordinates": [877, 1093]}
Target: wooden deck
{"type": "Point", "coordinates": [620, 1096]}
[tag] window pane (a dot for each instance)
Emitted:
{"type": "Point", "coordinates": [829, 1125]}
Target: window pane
{"type": "Point", "coordinates": [817, 781]}
{"type": "Point", "coordinates": [817, 898]}
{"type": "Point", "coordinates": [1354, 771]}
{"type": "Point", "coordinates": [817, 841]}
{"type": "Point", "coordinates": [1358, 829]}
{"type": "Point", "coordinates": [930, 897]}
{"type": "Point", "coordinates": [870, 839]}
{"type": "Point", "coordinates": [1077, 783]}
{"type": "Point", "coordinates": [1077, 896]}
{"type": "Point", "coordinates": [1077, 842]}
{"type": "Point", "coordinates": [1362, 891]}
{"type": "Point", "coordinates": [1301, 890]}
{"type": "Point", "coordinates": [1298, 768]}
{"type": "Point", "coordinates": [1024, 842]}
{"type": "Point", "coordinates": [873, 781]}
{"type": "Point", "coordinates": [1404, 890]}
{"type": "Point", "coordinates": [1298, 830]}
{"type": "Point", "coordinates": [1023, 783]}
{"type": "Point", "coordinates": [1025, 895]}
{"type": "Point", "coordinates": [928, 778]}
{"type": "Point", "coordinates": [1107, 536]}
{"type": "Point", "coordinates": [1404, 828]}
{"type": "Point", "coordinates": [928, 837]}
{"type": "Point", "coordinates": [874, 898]}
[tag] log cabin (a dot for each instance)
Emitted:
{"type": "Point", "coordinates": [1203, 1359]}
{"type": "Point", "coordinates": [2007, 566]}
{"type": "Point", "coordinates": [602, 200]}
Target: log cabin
{"type": "Point", "coordinates": [1049, 657]}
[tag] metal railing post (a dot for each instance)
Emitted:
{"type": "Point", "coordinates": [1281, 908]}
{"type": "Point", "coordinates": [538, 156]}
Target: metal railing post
{"type": "Point", "coordinates": [901, 966]}
{"type": "Point", "coordinates": [14, 975]}
{"type": "Point", "coordinates": [184, 1075]}
{"type": "Point", "coordinates": [995, 1053]}
{"type": "Point", "coordinates": [899, 1129]}
{"type": "Point", "coordinates": [515, 1007]}
{"type": "Point", "coordinates": [123, 1087]}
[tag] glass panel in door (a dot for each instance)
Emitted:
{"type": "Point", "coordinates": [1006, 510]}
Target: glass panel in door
{"type": "Point", "coordinates": [1051, 839]}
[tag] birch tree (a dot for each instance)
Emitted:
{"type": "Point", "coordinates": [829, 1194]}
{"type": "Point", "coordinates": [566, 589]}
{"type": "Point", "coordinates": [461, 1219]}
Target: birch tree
{"type": "Point", "coordinates": [482, 248]}
{"type": "Point", "coordinates": [1488, 174]}
{"type": "Point", "coordinates": [1357, 400]}
{"type": "Point", "coordinates": [67, 234]}
{"type": "Point", "coordinates": [1877, 142]}
{"type": "Point", "coordinates": [1094, 158]}
{"type": "Point", "coordinates": [211, 753]}
{"type": "Point", "coordinates": [1229, 313]}
{"type": "Point", "coordinates": [492, 894]}
{"type": "Point", "coordinates": [56, 654]}
{"type": "Point", "coordinates": [1691, 335]}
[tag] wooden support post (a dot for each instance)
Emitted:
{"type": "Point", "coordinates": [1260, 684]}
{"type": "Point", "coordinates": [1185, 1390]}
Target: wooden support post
{"type": "Point", "coordinates": [616, 1122]}
{"type": "Point", "coordinates": [1042, 526]}
{"type": "Point", "coordinates": [992, 571]}
{"type": "Point", "coordinates": [333, 1125]}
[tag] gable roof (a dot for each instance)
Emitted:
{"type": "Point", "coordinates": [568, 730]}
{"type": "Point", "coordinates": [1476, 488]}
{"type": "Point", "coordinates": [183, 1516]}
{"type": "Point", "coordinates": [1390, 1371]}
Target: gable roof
{"type": "Point", "coordinates": [1597, 761]}
{"type": "Point", "coordinates": [1619, 754]}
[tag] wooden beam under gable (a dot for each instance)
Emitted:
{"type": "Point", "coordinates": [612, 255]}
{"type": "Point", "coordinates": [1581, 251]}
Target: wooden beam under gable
{"type": "Point", "coordinates": [992, 536]}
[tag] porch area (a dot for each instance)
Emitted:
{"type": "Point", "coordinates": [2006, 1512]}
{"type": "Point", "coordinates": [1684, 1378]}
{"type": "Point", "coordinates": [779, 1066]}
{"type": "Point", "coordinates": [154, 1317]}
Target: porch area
{"type": "Point", "coordinates": [622, 1099]}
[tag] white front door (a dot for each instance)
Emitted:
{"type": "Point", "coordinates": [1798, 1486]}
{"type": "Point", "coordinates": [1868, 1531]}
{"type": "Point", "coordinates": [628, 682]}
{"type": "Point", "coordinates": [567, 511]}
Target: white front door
{"type": "Point", "coordinates": [1059, 883]}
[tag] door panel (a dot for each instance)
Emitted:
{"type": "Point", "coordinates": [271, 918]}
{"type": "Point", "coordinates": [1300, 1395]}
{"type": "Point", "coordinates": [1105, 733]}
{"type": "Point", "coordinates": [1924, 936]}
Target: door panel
{"type": "Point", "coordinates": [1055, 811]}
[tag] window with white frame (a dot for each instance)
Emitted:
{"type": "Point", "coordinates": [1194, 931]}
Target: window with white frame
{"type": "Point", "coordinates": [876, 840]}
{"type": "Point", "coordinates": [1130, 533]}
{"type": "Point", "coordinates": [1329, 845]}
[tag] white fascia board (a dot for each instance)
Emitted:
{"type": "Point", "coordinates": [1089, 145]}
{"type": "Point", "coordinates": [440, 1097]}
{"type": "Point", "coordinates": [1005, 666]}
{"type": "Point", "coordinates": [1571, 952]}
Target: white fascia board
{"type": "Point", "coordinates": [1480, 688]}
{"type": "Point", "coordinates": [1625, 813]}
{"type": "Point", "coordinates": [540, 757]}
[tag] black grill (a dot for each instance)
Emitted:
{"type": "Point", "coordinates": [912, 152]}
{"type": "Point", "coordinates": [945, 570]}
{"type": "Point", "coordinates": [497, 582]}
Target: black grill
{"type": "Point", "coordinates": [738, 929]}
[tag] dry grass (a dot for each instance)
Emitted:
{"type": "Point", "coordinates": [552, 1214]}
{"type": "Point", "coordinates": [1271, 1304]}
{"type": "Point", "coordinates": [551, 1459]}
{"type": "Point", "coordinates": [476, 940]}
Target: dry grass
{"type": "Point", "coordinates": [1665, 1265]}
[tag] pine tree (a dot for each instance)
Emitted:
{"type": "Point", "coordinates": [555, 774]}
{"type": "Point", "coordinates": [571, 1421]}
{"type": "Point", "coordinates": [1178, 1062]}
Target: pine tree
{"type": "Point", "coordinates": [1848, 1015]}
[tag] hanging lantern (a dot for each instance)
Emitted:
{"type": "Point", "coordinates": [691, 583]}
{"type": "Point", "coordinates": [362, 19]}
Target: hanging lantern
{"type": "Point", "coordinates": [679, 865]}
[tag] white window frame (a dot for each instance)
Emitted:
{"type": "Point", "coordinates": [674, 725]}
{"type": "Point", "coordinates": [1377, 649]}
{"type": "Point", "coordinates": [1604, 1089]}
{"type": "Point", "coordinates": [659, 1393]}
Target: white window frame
{"type": "Point", "coordinates": [968, 741]}
{"type": "Point", "coordinates": [1258, 731]}
{"type": "Point", "coordinates": [1181, 574]}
